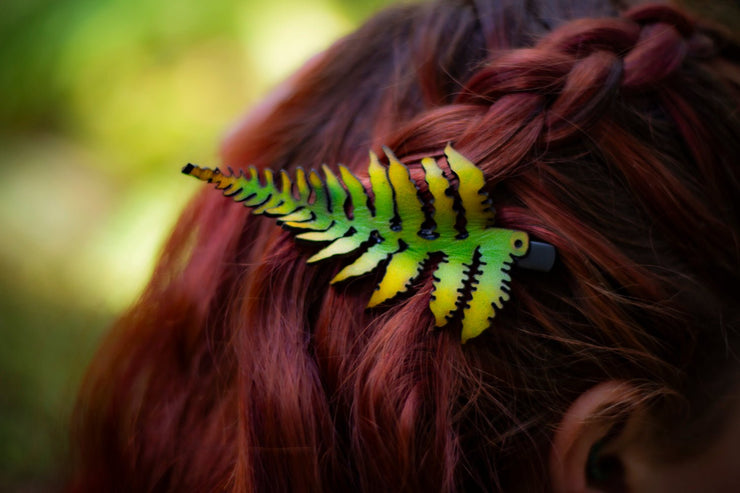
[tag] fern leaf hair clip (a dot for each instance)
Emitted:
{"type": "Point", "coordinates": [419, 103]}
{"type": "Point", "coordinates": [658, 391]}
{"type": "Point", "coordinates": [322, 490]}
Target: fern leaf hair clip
{"type": "Point", "coordinates": [475, 259]}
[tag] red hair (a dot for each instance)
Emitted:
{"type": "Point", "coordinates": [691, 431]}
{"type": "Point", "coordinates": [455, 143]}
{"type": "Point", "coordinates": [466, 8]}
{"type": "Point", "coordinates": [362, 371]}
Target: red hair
{"type": "Point", "coordinates": [614, 139]}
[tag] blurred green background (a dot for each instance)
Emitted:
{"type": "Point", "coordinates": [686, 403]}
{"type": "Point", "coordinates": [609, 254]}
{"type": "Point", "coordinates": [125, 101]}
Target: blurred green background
{"type": "Point", "coordinates": [102, 102]}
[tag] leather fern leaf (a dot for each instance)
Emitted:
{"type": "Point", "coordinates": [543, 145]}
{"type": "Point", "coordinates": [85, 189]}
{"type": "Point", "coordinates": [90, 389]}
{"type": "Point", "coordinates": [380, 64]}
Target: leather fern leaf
{"type": "Point", "coordinates": [471, 279]}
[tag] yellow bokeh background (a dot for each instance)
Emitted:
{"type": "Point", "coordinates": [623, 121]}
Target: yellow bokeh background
{"type": "Point", "coordinates": [102, 103]}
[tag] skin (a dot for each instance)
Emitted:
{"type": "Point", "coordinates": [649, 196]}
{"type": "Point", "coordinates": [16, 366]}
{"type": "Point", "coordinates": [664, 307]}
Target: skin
{"type": "Point", "coordinates": [715, 468]}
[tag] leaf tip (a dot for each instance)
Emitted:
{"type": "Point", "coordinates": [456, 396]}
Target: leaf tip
{"type": "Point", "coordinates": [203, 174]}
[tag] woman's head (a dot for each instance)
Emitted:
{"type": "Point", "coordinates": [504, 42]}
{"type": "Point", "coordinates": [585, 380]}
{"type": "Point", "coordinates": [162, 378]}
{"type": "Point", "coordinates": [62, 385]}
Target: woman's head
{"type": "Point", "coordinates": [612, 138]}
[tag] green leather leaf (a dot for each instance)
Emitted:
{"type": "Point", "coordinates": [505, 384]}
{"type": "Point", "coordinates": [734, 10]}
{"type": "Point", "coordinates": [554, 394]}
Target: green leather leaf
{"type": "Point", "coordinates": [385, 224]}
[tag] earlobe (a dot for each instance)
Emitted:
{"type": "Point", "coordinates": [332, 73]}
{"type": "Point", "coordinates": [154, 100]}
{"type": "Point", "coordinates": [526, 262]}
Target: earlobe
{"type": "Point", "coordinates": [581, 457]}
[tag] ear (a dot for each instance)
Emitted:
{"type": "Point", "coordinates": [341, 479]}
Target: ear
{"type": "Point", "coordinates": [583, 458]}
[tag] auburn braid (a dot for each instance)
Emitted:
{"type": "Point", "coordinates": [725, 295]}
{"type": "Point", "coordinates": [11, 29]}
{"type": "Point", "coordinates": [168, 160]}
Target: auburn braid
{"type": "Point", "coordinates": [578, 69]}
{"type": "Point", "coordinates": [605, 99]}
